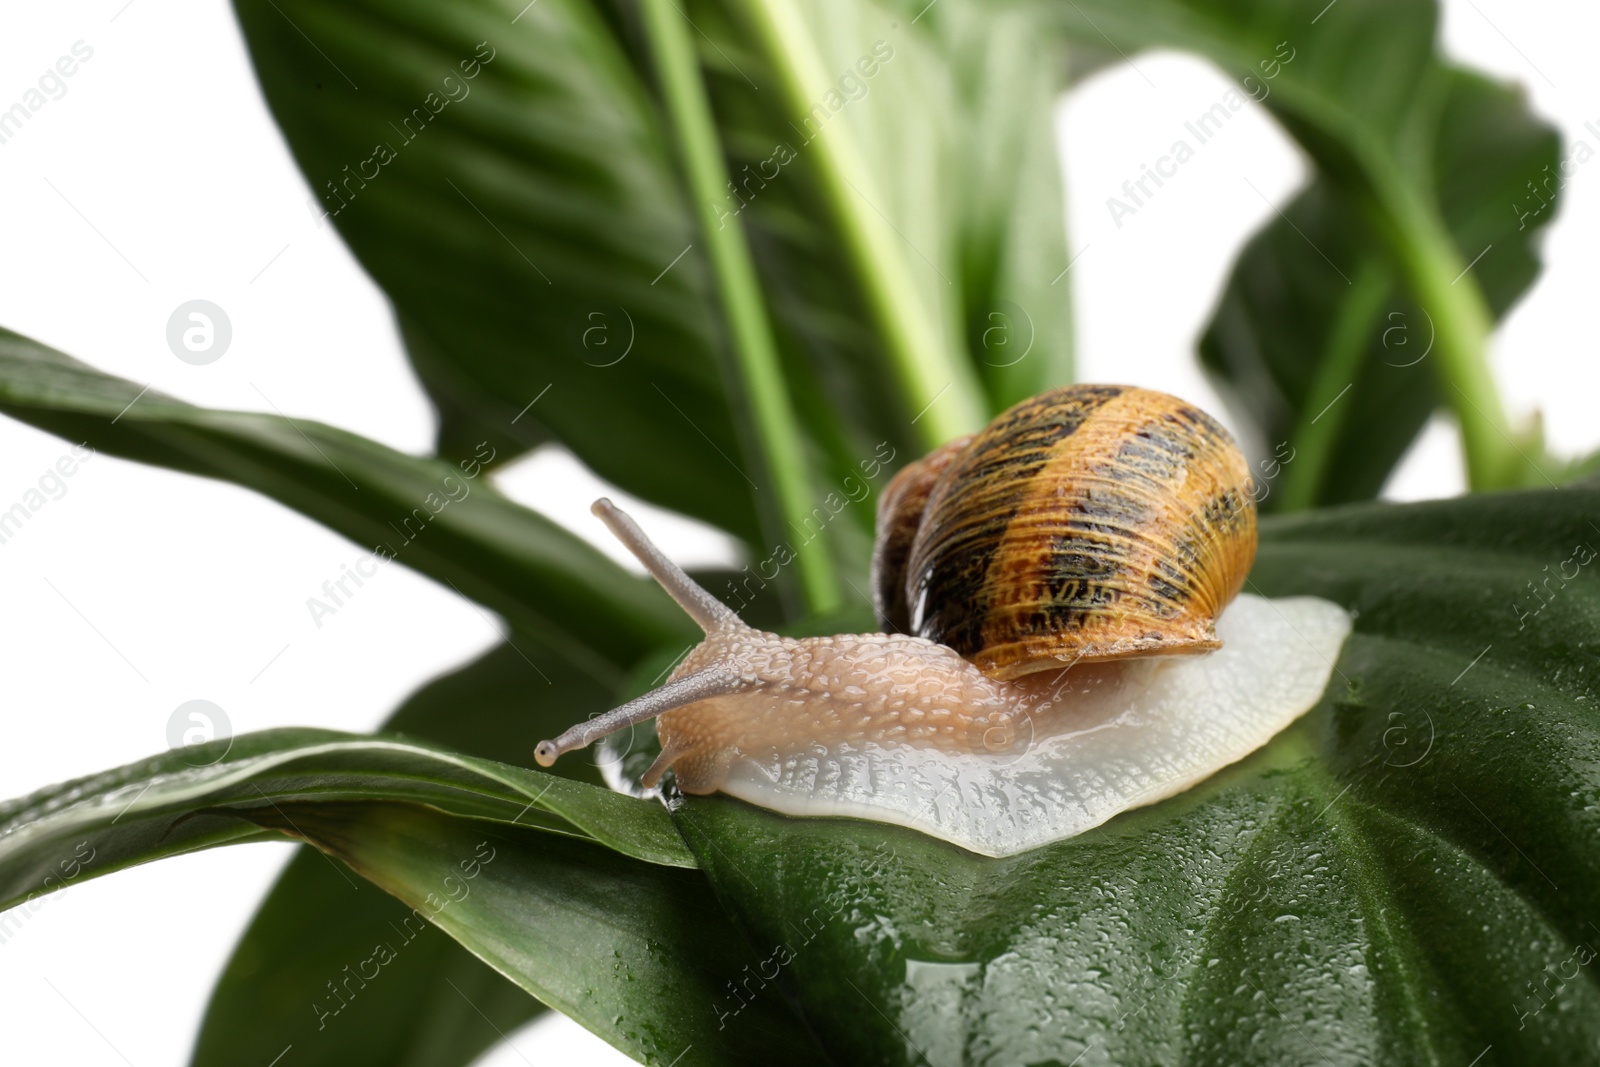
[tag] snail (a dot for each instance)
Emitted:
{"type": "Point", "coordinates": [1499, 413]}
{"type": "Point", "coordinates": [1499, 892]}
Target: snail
{"type": "Point", "coordinates": [1071, 640]}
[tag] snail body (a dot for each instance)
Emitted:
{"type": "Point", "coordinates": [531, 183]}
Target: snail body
{"type": "Point", "coordinates": [1061, 577]}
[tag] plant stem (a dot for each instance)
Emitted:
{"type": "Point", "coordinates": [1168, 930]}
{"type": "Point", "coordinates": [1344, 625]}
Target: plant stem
{"type": "Point", "coordinates": [775, 427]}
{"type": "Point", "coordinates": [1322, 416]}
{"type": "Point", "coordinates": [1441, 283]}
{"type": "Point", "coordinates": [939, 389]}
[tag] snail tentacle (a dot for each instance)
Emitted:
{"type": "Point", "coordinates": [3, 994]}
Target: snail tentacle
{"type": "Point", "coordinates": [713, 616]}
{"type": "Point", "coordinates": [706, 610]}
{"type": "Point", "coordinates": [688, 689]}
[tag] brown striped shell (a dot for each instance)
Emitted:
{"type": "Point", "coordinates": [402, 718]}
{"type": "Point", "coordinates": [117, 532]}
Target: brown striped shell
{"type": "Point", "coordinates": [1090, 523]}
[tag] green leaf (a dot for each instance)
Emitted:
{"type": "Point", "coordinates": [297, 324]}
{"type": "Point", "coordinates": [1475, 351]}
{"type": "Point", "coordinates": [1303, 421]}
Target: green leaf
{"type": "Point", "coordinates": [630, 950]}
{"type": "Point", "coordinates": [1394, 879]}
{"type": "Point", "coordinates": [1338, 376]}
{"type": "Point", "coordinates": [1008, 73]}
{"type": "Point", "coordinates": [195, 797]}
{"type": "Point", "coordinates": [436, 1004]}
{"type": "Point", "coordinates": [1407, 875]}
{"type": "Point", "coordinates": [578, 895]}
{"type": "Point", "coordinates": [923, 139]}
{"type": "Point", "coordinates": [582, 897]}
{"type": "Point", "coordinates": [314, 922]}
{"type": "Point", "coordinates": [545, 206]}
{"type": "Point", "coordinates": [524, 227]}
{"type": "Point", "coordinates": [440, 518]}
{"type": "Point", "coordinates": [1361, 86]}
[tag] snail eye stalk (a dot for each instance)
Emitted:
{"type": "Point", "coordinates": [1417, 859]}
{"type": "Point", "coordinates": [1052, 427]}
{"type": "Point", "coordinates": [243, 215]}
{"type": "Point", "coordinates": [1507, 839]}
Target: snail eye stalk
{"type": "Point", "coordinates": [706, 610]}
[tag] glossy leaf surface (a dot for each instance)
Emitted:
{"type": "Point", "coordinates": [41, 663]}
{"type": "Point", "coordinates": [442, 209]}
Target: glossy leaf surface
{"type": "Point", "coordinates": [194, 797]}
{"type": "Point", "coordinates": [315, 921]}
{"type": "Point", "coordinates": [1408, 875]}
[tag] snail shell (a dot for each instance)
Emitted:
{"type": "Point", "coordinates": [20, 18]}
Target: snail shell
{"type": "Point", "coordinates": [1091, 523]}
{"type": "Point", "coordinates": [1064, 574]}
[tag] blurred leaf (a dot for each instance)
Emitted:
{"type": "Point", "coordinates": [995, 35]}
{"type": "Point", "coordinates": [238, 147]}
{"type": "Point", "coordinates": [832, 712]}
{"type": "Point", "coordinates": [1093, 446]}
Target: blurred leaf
{"type": "Point", "coordinates": [949, 111]}
{"type": "Point", "coordinates": [1356, 88]}
{"type": "Point", "coordinates": [1287, 343]}
{"type": "Point", "coordinates": [528, 225]}
{"type": "Point", "coordinates": [634, 952]}
{"type": "Point", "coordinates": [525, 236]}
{"type": "Point", "coordinates": [1407, 875]}
{"type": "Point", "coordinates": [462, 430]}
{"type": "Point", "coordinates": [442, 519]}
{"type": "Point", "coordinates": [313, 922]}
{"type": "Point", "coordinates": [193, 798]}
{"type": "Point", "coordinates": [1012, 250]}
{"type": "Point", "coordinates": [1415, 160]}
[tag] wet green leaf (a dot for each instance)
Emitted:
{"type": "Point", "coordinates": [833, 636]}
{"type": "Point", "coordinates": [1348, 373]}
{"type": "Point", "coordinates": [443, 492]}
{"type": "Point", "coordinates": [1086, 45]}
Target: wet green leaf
{"type": "Point", "coordinates": [1408, 875]}
{"type": "Point", "coordinates": [637, 953]}
{"type": "Point", "coordinates": [194, 797]}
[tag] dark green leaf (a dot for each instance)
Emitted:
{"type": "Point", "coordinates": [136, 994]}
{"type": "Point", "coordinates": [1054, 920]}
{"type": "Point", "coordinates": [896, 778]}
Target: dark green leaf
{"type": "Point", "coordinates": [440, 518]}
{"type": "Point", "coordinates": [1289, 336]}
{"type": "Point", "coordinates": [194, 797]}
{"type": "Point", "coordinates": [637, 953]}
{"type": "Point", "coordinates": [525, 235]}
{"type": "Point", "coordinates": [524, 231]}
{"type": "Point", "coordinates": [954, 128]}
{"type": "Point", "coordinates": [321, 925]}
{"type": "Point", "coordinates": [628, 944]}
{"type": "Point", "coordinates": [1421, 168]}
{"type": "Point", "coordinates": [1408, 875]}
{"type": "Point", "coordinates": [313, 922]}
{"type": "Point", "coordinates": [614, 932]}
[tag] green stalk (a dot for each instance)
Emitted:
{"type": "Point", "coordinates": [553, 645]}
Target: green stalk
{"type": "Point", "coordinates": [1442, 284]}
{"type": "Point", "coordinates": [776, 428]}
{"type": "Point", "coordinates": [1322, 415]}
{"type": "Point", "coordinates": [940, 391]}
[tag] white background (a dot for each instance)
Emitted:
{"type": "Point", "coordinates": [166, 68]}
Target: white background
{"type": "Point", "coordinates": [159, 178]}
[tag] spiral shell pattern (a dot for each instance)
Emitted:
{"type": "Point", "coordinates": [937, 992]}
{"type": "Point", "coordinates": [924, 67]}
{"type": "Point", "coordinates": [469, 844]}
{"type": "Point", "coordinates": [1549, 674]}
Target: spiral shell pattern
{"type": "Point", "coordinates": [1090, 523]}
